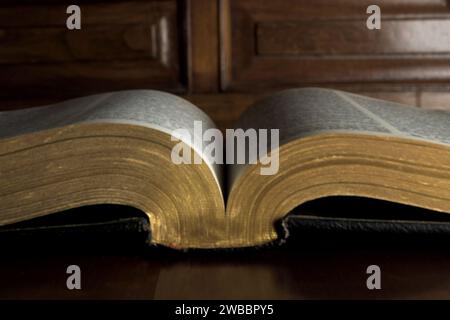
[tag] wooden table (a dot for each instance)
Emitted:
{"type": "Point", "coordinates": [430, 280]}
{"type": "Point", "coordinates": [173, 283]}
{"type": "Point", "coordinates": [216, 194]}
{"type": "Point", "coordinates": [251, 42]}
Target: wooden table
{"type": "Point", "coordinates": [308, 268]}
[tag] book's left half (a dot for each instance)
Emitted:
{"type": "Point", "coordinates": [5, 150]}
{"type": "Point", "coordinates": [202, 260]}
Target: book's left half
{"type": "Point", "coordinates": [113, 148]}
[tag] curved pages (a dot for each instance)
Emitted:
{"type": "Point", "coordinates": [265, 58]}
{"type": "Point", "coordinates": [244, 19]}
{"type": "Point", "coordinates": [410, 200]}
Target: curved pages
{"type": "Point", "coordinates": [116, 148]}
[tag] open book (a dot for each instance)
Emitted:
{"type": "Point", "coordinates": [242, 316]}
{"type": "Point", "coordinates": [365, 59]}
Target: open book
{"type": "Point", "coordinates": [118, 148]}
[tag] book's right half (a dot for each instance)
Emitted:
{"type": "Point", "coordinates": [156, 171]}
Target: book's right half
{"type": "Point", "coordinates": [333, 143]}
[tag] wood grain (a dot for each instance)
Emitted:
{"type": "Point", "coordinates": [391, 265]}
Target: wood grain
{"type": "Point", "coordinates": [59, 82]}
{"type": "Point", "coordinates": [246, 48]}
{"type": "Point", "coordinates": [350, 38]}
{"type": "Point", "coordinates": [121, 45]}
{"type": "Point", "coordinates": [203, 45]}
{"type": "Point", "coordinates": [435, 100]}
{"type": "Point", "coordinates": [298, 43]}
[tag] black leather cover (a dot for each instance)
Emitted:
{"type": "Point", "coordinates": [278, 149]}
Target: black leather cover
{"type": "Point", "coordinates": [357, 218]}
{"type": "Point", "coordinates": [88, 228]}
{"type": "Point", "coordinates": [116, 227]}
{"type": "Point", "coordinates": [298, 223]}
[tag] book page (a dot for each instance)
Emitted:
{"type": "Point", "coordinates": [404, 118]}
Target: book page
{"type": "Point", "coordinates": [154, 109]}
{"type": "Point", "coordinates": [404, 121]}
{"type": "Point", "coordinates": [304, 112]}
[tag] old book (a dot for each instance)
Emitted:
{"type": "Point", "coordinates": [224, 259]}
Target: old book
{"type": "Point", "coordinates": [117, 148]}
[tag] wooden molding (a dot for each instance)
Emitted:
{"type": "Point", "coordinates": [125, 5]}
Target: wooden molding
{"type": "Point", "coordinates": [203, 39]}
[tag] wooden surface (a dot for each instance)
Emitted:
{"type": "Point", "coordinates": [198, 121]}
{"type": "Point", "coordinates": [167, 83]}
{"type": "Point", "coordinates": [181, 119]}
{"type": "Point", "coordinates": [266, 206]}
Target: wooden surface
{"type": "Point", "coordinates": [410, 270]}
{"type": "Point", "coordinates": [221, 46]}
{"type": "Point", "coordinates": [278, 44]}
{"type": "Point", "coordinates": [121, 45]}
{"type": "Point", "coordinates": [203, 45]}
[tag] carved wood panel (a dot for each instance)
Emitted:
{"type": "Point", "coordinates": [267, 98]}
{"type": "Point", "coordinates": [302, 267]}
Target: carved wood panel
{"type": "Point", "coordinates": [121, 45]}
{"type": "Point", "coordinates": [276, 44]}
